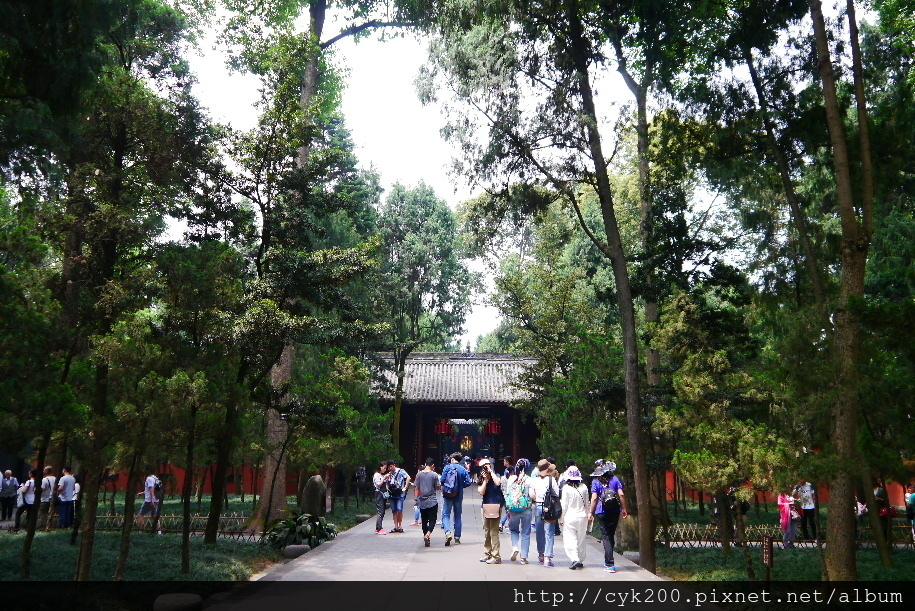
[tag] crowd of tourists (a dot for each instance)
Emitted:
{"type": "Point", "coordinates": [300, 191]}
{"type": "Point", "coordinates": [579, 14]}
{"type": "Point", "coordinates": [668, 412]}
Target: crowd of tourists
{"type": "Point", "coordinates": [517, 496]}
{"type": "Point", "coordinates": [39, 493]}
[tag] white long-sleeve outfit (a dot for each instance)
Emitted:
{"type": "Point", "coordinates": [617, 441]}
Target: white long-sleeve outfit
{"type": "Point", "coordinates": [576, 501]}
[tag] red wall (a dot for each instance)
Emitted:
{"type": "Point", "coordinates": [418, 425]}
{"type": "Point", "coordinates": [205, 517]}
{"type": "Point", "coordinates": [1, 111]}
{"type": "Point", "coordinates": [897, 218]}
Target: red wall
{"type": "Point", "coordinates": [896, 492]}
{"type": "Point", "coordinates": [174, 482]}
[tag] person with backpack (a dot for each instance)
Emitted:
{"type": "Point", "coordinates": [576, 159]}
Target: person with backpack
{"type": "Point", "coordinates": [575, 504]}
{"type": "Point", "coordinates": [608, 505]}
{"type": "Point", "coordinates": [547, 509]}
{"type": "Point", "coordinates": [518, 500]}
{"type": "Point", "coordinates": [508, 469]}
{"type": "Point", "coordinates": [397, 488]}
{"type": "Point", "coordinates": [454, 479]}
{"type": "Point", "coordinates": [150, 494]}
{"type": "Point", "coordinates": [491, 491]}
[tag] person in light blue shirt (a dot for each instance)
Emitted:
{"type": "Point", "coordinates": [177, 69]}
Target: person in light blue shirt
{"type": "Point", "coordinates": [452, 500]}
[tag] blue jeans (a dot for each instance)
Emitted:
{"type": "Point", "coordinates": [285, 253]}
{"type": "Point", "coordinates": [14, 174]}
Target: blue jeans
{"type": "Point", "coordinates": [519, 524]}
{"type": "Point", "coordinates": [397, 504]}
{"type": "Point", "coordinates": [450, 504]}
{"type": "Point", "coordinates": [65, 511]}
{"type": "Point", "coordinates": [545, 533]}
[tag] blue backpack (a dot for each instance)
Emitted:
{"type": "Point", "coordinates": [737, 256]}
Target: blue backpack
{"type": "Point", "coordinates": [450, 483]}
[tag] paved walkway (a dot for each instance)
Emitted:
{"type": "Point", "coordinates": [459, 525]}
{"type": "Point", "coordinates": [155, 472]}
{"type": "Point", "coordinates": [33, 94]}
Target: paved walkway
{"type": "Point", "coordinates": [359, 555]}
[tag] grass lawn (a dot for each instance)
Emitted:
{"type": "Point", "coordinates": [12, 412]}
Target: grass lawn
{"type": "Point", "coordinates": [789, 565]}
{"type": "Point", "coordinates": [152, 557]}
{"type": "Point", "coordinates": [157, 557]}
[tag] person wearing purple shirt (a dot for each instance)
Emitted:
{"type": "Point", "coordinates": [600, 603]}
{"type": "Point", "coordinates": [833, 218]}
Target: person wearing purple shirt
{"type": "Point", "coordinates": [608, 513]}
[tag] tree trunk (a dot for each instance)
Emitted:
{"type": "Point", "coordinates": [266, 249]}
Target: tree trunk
{"type": "Point", "coordinates": [94, 474]}
{"type": "Point", "coordinates": [186, 494]}
{"type": "Point", "coordinates": [130, 501]}
{"type": "Point", "coordinates": [400, 363]}
{"type": "Point", "coordinates": [873, 514]}
{"type": "Point", "coordinates": [273, 489]}
{"type": "Point", "coordinates": [223, 456]}
{"type": "Point", "coordinates": [25, 566]}
{"type": "Point", "coordinates": [840, 550]}
{"type": "Point", "coordinates": [784, 172]}
{"type": "Point", "coordinates": [724, 521]}
{"type": "Point", "coordinates": [579, 56]}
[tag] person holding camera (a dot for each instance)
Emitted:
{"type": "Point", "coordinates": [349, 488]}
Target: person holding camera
{"type": "Point", "coordinates": [380, 481]}
{"type": "Point", "coordinates": [490, 489]}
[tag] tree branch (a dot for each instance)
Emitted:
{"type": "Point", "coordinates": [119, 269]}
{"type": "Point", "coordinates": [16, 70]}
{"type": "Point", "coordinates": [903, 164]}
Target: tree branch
{"type": "Point", "coordinates": [374, 23]}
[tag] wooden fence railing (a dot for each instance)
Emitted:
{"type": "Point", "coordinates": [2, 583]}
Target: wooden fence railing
{"type": "Point", "coordinates": [707, 535]}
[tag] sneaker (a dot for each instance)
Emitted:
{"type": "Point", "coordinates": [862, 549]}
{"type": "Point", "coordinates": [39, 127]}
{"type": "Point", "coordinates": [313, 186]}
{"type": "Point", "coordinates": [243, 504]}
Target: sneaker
{"type": "Point", "coordinates": [457, 540]}
{"type": "Point", "coordinates": [416, 524]}
{"type": "Point", "coordinates": [540, 559]}
{"type": "Point", "coordinates": [524, 561]}
{"type": "Point", "coordinates": [381, 531]}
{"type": "Point", "coordinates": [515, 554]}
{"type": "Point", "coordinates": [573, 566]}
{"type": "Point", "coordinates": [447, 539]}
{"type": "Point", "coordinates": [494, 561]}
{"type": "Point", "coordinates": [485, 558]}
{"type": "Point", "coordinates": [579, 565]}
{"type": "Point", "coordinates": [610, 569]}
{"type": "Point", "coordinates": [548, 563]}
{"type": "Point", "coordinates": [428, 541]}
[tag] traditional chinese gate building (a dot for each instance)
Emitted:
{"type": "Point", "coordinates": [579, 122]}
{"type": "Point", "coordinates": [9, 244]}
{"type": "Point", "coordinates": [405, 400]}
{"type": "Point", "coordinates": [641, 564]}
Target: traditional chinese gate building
{"type": "Point", "coordinates": [462, 401]}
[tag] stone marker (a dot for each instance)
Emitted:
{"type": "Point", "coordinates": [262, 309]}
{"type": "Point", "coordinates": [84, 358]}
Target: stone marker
{"type": "Point", "coordinates": [294, 551]}
{"type": "Point", "coordinates": [312, 501]}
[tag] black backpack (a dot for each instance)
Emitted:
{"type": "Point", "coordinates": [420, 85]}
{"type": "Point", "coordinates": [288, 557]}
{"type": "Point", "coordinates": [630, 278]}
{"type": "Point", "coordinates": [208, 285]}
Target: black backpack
{"type": "Point", "coordinates": [552, 507]}
{"type": "Point", "coordinates": [609, 498]}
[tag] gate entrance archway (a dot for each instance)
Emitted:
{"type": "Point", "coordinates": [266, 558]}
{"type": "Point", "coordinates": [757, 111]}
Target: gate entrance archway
{"type": "Point", "coordinates": [462, 402]}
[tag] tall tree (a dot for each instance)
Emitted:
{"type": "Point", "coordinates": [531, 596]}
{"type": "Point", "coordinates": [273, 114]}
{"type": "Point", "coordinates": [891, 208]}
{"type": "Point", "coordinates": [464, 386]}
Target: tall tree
{"type": "Point", "coordinates": [526, 72]}
{"type": "Point", "coordinates": [424, 287]}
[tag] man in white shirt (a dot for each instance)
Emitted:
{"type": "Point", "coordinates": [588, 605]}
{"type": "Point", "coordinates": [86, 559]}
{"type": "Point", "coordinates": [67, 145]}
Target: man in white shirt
{"type": "Point", "coordinates": [150, 501]}
{"type": "Point", "coordinates": [380, 481]}
{"type": "Point", "coordinates": [47, 494]}
{"type": "Point", "coordinates": [66, 488]}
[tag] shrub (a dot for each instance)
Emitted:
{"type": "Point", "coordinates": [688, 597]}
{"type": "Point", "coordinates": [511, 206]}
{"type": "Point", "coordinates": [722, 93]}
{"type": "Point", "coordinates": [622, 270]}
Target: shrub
{"type": "Point", "coordinates": [299, 528]}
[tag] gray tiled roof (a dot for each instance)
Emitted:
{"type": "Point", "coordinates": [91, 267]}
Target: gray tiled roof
{"type": "Point", "coordinates": [435, 377]}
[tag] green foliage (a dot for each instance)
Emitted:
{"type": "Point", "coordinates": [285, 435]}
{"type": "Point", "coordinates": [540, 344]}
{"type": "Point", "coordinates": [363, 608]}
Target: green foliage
{"type": "Point", "coordinates": [153, 558]}
{"type": "Point", "coordinates": [299, 529]}
{"type": "Point", "coordinates": [682, 564]}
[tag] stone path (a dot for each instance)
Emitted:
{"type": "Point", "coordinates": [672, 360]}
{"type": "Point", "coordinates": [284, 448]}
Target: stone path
{"type": "Point", "coordinates": [359, 555]}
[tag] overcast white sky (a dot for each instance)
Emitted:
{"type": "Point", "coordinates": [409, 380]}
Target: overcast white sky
{"type": "Point", "coordinates": [392, 131]}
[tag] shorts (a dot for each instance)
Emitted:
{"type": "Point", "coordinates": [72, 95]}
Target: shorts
{"type": "Point", "coordinates": [148, 509]}
{"type": "Point", "coordinates": [397, 504]}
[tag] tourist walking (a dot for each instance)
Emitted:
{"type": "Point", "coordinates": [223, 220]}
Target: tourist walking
{"type": "Point", "coordinates": [453, 481]}
{"type": "Point", "coordinates": [575, 507]}
{"type": "Point", "coordinates": [9, 489]}
{"type": "Point", "coordinates": [544, 486]}
{"type": "Point", "coordinates": [397, 488]}
{"type": "Point", "coordinates": [806, 495]}
{"type": "Point", "coordinates": [909, 507]}
{"type": "Point", "coordinates": [48, 492]}
{"type": "Point", "coordinates": [491, 491]}
{"type": "Point", "coordinates": [66, 488]}
{"type": "Point", "coordinates": [789, 517]}
{"type": "Point", "coordinates": [150, 505]}
{"type": "Point", "coordinates": [427, 483]}
{"type": "Point", "coordinates": [508, 468]}
{"type": "Point", "coordinates": [518, 499]}
{"type": "Point", "coordinates": [608, 505]}
{"type": "Point", "coordinates": [380, 481]}
{"type": "Point", "coordinates": [27, 490]}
